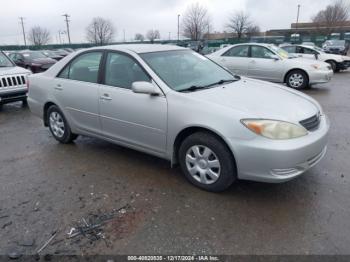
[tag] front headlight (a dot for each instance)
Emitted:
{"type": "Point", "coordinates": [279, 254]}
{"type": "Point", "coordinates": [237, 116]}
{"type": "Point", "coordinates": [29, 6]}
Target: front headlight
{"type": "Point", "coordinates": [274, 129]}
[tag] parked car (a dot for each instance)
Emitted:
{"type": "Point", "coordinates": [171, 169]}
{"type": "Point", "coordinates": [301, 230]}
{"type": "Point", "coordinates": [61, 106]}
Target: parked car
{"type": "Point", "coordinates": [271, 63]}
{"type": "Point", "coordinates": [13, 82]}
{"type": "Point", "coordinates": [337, 62]}
{"type": "Point", "coordinates": [61, 52]}
{"type": "Point", "coordinates": [176, 104]}
{"type": "Point", "coordinates": [312, 44]}
{"type": "Point", "coordinates": [34, 61]}
{"type": "Point", "coordinates": [69, 50]}
{"type": "Point", "coordinates": [52, 55]}
{"type": "Point", "coordinates": [336, 47]}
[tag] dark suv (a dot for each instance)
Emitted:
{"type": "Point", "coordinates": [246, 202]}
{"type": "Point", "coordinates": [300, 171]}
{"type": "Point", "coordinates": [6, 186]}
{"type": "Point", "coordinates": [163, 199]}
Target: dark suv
{"type": "Point", "coordinates": [340, 47]}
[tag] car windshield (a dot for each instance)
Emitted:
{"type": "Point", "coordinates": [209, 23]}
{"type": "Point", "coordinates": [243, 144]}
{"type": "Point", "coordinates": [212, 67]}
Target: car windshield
{"type": "Point", "coordinates": [34, 55]}
{"type": "Point", "coordinates": [336, 43]}
{"type": "Point", "coordinates": [185, 69]}
{"type": "Point", "coordinates": [281, 52]}
{"type": "Point", "coordinates": [5, 61]}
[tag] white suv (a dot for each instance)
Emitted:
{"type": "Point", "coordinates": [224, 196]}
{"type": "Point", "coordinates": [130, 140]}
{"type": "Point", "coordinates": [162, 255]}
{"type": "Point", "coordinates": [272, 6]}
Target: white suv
{"type": "Point", "coordinates": [13, 82]}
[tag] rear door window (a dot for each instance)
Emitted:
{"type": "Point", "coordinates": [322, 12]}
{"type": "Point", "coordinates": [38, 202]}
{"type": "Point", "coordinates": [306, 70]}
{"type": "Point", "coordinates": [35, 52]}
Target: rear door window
{"type": "Point", "coordinates": [83, 68]}
{"type": "Point", "coordinates": [237, 51]}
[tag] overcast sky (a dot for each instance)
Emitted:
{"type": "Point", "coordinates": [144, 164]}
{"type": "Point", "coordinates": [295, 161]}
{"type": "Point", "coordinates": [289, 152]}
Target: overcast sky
{"type": "Point", "coordinates": [138, 16]}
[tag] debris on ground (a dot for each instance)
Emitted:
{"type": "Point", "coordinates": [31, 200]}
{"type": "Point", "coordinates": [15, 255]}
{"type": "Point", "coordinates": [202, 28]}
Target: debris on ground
{"type": "Point", "coordinates": [47, 242]}
{"type": "Point", "coordinates": [27, 243]}
{"type": "Point", "coordinates": [14, 254]}
{"type": "Point", "coordinates": [92, 227]}
{"type": "Point", "coordinates": [6, 225]}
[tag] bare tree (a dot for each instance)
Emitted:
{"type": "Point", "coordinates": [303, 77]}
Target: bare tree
{"type": "Point", "coordinates": [195, 22]}
{"type": "Point", "coordinates": [239, 23]}
{"type": "Point", "coordinates": [152, 35]}
{"type": "Point", "coordinates": [331, 16]}
{"type": "Point", "coordinates": [100, 31]}
{"type": "Point", "coordinates": [253, 30]}
{"type": "Point", "coordinates": [39, 36]}
{"type": "Point", "coordinates": [139, 37]}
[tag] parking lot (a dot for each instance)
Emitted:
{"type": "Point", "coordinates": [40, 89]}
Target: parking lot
{"type": "Point", "coordinates": [47, 187]}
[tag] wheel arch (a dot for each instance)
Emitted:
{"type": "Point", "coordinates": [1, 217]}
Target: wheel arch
{"type": "Point", "coordinates": [46, 107]}
{"type": "Point", "coordinates": [296, 69]}
{"type": "Point", "coordinates": [184, 133]}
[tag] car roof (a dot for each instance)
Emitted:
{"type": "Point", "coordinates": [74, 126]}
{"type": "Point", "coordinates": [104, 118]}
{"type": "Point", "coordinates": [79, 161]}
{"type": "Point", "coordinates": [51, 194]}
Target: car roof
{"type": "Point", "coordinates": [141, 48]}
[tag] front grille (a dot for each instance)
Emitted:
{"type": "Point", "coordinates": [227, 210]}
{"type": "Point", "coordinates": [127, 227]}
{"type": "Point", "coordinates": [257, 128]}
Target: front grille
{"type": "Point", "coordinates": [311, 123]}
{"type": "Point", "coordinates": [12, 81]}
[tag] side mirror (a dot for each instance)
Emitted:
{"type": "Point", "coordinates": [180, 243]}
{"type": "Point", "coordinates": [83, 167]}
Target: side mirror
{"type": "Point", "coordinates": [316, 56]}
{"type": "Point", "coordinates": [143, 87]}
{"type": "Point", "coordinates": [275, 57]}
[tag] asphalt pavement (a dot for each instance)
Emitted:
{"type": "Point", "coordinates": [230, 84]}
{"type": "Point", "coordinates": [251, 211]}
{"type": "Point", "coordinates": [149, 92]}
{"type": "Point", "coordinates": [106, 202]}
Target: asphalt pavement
{"type": "Point", "coordinates": [139, 205]}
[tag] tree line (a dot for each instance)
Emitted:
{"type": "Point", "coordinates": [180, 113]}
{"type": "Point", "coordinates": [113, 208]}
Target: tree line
{"type": "Point", "coordinates": [196, 25]}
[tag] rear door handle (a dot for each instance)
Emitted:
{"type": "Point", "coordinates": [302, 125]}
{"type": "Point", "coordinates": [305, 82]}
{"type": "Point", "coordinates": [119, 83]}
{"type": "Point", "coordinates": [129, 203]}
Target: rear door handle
{"type": "Point", "coordinates": [105, 97]}
{"type": "Point", "coordinates": [58, 87]}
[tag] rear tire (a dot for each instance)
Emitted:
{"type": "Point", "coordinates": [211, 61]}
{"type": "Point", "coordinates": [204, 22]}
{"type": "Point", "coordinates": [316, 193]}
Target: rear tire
{"type": "Point", "coordinates": [207, 162]}
{"type": "Point", "coordinates": [59, 126]}
{"type": "Point", "coordinates": [297, 79]}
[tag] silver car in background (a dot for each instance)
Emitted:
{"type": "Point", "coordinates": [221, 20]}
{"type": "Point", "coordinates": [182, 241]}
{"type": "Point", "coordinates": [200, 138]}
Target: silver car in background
{"type": "Point", "coordinates": [178, 105]}
{"type": "Point", "coordinates": [271, 63]}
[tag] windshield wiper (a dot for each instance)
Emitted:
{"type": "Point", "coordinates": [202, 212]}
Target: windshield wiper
{"type": "Point", "coordinates": [220, 82]}
{"type": "Point", "coordinates": [192, 88]}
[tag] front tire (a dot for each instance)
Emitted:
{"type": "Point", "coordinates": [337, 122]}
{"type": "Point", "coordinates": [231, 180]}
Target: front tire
{"type": "Point", "coordinates": [207, 162]}
{"type": "Point", "coordinates": [59, 126]}
{"type": "Point", "coordinates": [297, 79]}
{"type": "Point", "coordinates": [333, 65]}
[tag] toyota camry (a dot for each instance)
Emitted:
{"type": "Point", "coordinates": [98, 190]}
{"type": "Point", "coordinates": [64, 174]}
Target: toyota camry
{"type": "Point", "coordinates": [176, 104]}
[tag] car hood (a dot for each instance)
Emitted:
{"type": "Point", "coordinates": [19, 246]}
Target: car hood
{"type": "Point", "coordinates": [13, 70]}
{"type": "Point", "coordinates": [306, 62]}
{"type": "Point", "coordinates": [44, 61]}
{"type": "Point", "coordinates": [260, 99]}
{"type": "Point", "coordinates": [335, 57]}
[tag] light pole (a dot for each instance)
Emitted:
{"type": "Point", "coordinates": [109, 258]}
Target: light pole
{"type": "Point", "coordinates": [67, 24]}
{"type": "Point", "coordinates": [24, 34]}
{"type": "Point", "coordinates": [296, 26]}
{"type": "Point", "coordinates": [178, 28]}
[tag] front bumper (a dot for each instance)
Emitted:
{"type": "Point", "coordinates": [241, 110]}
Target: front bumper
{"type": "Point", "coordinates": [276, 161]}
{"type": "Point", "coordinates": [343, 65]}
{"type": "Point", "coordinates": [320, 76]}
{"type": "Point", "coordinates": [13, 96]}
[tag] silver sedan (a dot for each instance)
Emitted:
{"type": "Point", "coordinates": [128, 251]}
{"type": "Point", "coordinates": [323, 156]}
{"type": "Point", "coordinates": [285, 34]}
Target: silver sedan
{"type": "Point", "coordinates": [178, 105]}
{"type": "Point", "coordinates": [271, 63]}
